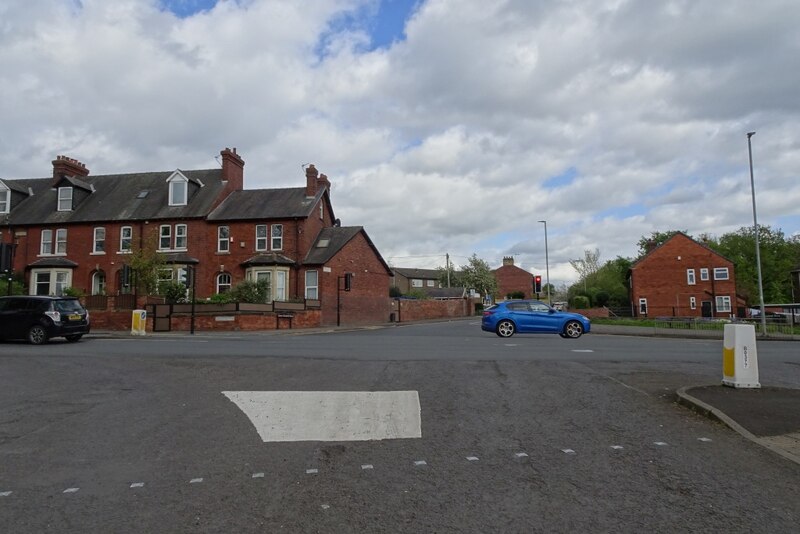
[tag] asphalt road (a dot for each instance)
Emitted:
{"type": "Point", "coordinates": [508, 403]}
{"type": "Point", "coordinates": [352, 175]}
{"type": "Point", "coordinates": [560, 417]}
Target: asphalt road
{"type": "Point", "coordinates": [561, 435]}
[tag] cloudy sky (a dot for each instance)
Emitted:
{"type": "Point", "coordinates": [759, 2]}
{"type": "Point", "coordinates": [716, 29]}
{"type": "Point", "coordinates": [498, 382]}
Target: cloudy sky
{"type": "Point", "coordinates": [445, 126]}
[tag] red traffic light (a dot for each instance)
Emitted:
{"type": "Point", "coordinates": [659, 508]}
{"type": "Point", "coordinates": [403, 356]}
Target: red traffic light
{"type": "Point", "coordinates": [537, 283]}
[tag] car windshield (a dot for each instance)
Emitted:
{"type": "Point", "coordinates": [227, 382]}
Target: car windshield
{"type": "Point", "coordinates": [68, 306]}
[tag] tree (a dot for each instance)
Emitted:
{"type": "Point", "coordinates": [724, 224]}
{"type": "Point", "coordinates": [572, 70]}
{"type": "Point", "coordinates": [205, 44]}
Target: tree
{"type": "Point", "coordinates": [588, 265]}
{"type": "Point", "coordinates": [607, 286]}
{"type": "Point", "coordinates": [478, 276]}
{"type": "Point", "coordinates": [455, 276]}
{"type": "Point", "coordinates": [145, 261]}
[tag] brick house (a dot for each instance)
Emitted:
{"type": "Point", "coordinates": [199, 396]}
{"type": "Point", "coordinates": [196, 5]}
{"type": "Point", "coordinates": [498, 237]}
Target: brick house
{"type": "Point", "coordinates": [76, 230]}
{"type": "Point", "coordinates": [511, 279]}
{"type": "Point", "coordinates": [406, 279]}
{"type": "Point", "coordinates": [683, 278]}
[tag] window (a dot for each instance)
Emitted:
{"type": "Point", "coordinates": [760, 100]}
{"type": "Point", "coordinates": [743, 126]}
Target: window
{"type": "Point", "coordinates": [704, 274]}
{"type": "Point", "coordinates": [99, 283]}
{"type": "Point", "coordinates": [312, 285]}
{"type": "Point", "coordinates": [643, 306]}
{"type": "Point", "coordinates": [125, 238]}
{"type": "Point", "coordinates": [429, 283]}
{"type": "Point", "coordinates": [321, 211]}
{"type": "Point", "coordinates": [180, 236]}
{"type": "Point", "coordinates": [261, 237]}
{"type": "Point", "coordinates": [47, 242]}
{"type": "Point", "coordinates": [165, 237]}
{"type": "Point", "coordinates": [99, 241]}
{"type": "Point", "coordinates": [723, 304]}
{"type": "Point", "coordinates": [692, 303]}
{"type": "Point", "coordinates": [64, 199]}
{"type": "Point", "coordinates": [61, 241]}
{"type": "Point", "coordinates": [50, 281]}
{"type": "Point", "coordinates": [5, 199]}
{"type": "Point", "coordinates": [223, 283]}
{"type": "Point", "coordinates": [416, 283]}
{"type": "Point", "coordinates": [690, 277]}
{"type": "Point", "coordinates": [177, 190]}
{"type": "Point", "coordinates": [720, 273]}
{"type": "Point", "coordinates": [277, 237]}
{"type": "Point", "coordinates": [276, 279]}
{"type": "Point", "coordinates": [223, 239]}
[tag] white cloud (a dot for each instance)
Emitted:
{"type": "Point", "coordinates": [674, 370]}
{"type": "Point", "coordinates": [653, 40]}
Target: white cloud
{"type": "Point", "coordinates": [443, 141]}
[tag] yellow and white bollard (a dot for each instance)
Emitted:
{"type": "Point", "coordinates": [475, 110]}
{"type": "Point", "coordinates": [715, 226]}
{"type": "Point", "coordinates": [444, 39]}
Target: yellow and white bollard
{"type": "Point", "coordinates": [740, 357]}
{"type": "Point", "coordinates": [138, 322]}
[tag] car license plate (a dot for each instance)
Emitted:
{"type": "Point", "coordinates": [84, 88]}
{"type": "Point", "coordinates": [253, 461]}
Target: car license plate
{"type": "Point", "coordinates": [74, 317]}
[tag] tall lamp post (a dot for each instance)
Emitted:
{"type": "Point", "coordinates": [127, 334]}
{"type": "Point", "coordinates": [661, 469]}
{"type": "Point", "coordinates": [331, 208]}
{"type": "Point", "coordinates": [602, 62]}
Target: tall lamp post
{"type": "Point", "coordinates": [755, 230]}
{"type": "Point", "coordinates": [547, 263]}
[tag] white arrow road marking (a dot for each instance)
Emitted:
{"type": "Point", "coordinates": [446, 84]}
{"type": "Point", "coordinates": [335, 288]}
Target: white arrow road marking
{"type": "Point", "coordinates": [331, 415]}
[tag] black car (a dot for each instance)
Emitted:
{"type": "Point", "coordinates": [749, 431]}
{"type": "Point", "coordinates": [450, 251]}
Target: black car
{"type": "Point", "coordinates": [38, 319]}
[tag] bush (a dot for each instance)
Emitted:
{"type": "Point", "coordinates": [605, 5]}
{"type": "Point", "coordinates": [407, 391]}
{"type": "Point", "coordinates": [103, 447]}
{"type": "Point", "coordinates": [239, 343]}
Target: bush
{"type": "Point", "coordinates": [417, 294]}
{"type": "Point", "coordinates": [601, 298]}
{"type": "Point", "coordinates": [395, 292]}
{"type": "Point", "coordinates": [580, 302]}
{"type": "Point", "coordinates": [221, 298]}
{"type": "Point", "coordinates": [250, 292]}
{"type": "Point", "coordinates": [73, 292]}
{"type": "Point", "coordinates": [173, 292]}
{"type": "Point", "coordinates": [516, 295]}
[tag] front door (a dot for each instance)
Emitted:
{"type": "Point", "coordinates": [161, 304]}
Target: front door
{"type": "Point", "coordinates": [705, 308]}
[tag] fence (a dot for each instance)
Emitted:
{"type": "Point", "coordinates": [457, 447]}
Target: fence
{"type": "Point", "coordinates": [698, 327]}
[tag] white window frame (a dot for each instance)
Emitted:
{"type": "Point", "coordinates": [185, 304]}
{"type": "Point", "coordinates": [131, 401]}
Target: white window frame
{"type": "Point", "coordinates": [312, 286]}
{"type": "Point", "coordinates": [46, 245]}
{"type": "Point", "coordinates": [98, 283]}
{"type": "Point", "coordinates": [321, 211]}
{"type": "Point", "coordinates": [692, 303]}
{"type": "Point", "coordinates": [223, 241]}
{"type": "Point", "coordinates": [690, 278]}
{"type": "Point", "coordinates": [416, 282]}
{"type": "Point", "coordinates": [64, 199]}
{"type": "Point", "coordinates": [723, 303]}
{"type": "Point", "coordinates": [271, 274]}
{"type": "Point", "coordinates": [123, 239]}
{"type": "Point", "coordinates": [261, 240]}
{"type": "Point", "coordinates": [642, 306]}
{"type": "Point", "coordinates": [181, 236]}
{"type": "Point", "coordinates": [58, 280]}
{"type": "Point", "coordinates": [61, 242]}
{"type": "Point", "coordinates": [223, 282]}
{"type": "Point", "coordinates": [5, 199]}
{"type": "Point", "coordinates": [99, 240]}
{"type": "Point", "coordinates": [704, 274]}
{"type": "Point", "coordinates": [718, 272]}
{"type": "Point", "coordinates": [429, 283]}
{"type": "Point", "coordinates": [178, 183]}
{"type": "Point", "coordinates": [276, 237]}
{"type": "Point", "coordinates": [164, 238]}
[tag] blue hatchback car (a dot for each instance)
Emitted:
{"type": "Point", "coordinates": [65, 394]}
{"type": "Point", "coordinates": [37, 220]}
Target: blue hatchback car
{"type": "Point", "coordinates": [532, 317]}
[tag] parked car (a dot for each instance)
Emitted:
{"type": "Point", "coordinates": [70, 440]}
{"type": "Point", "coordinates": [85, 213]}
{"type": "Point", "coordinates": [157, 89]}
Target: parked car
{"type": "Point", "coordinates": [38, 318]}
{"type": "Point", "coordinates": [532, 317]}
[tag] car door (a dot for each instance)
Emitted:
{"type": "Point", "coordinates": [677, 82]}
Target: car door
{"type": "Point", "coordinates": [544, 318]}
{"type": "Point", "coordinates": [14, 317]}
{"type": "Point", "coordinates": [520, 313]}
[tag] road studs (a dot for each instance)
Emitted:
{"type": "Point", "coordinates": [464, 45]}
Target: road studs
{"type": "Point", "coordinates": [71, 490]}
{"type": "Point", "coordinates": [568, 451]}
{"type": "Point", "coordinates": [419, 463]}
{"type": "Point", "coordinates": [137, 485]}
{"type": "Point", "coordinates": [196, 481]}
{"type": "Point", "coordinates": [472, 458]}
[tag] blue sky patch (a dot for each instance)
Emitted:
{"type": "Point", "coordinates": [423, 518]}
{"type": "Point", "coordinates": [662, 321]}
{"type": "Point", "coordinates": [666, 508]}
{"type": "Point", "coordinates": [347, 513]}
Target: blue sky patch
{"type": "Point", "coordinates": [187, 8]}
{"type": "Point", "coordinates": [562, 180]}
{"type": "Point", "coordinates": [622, 212]}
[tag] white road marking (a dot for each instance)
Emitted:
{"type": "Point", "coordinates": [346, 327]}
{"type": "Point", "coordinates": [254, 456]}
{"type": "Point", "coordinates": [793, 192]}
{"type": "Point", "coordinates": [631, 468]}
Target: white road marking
{"type": "Point", "coordinates": [325, 506]}
{"type": "Point", "coordinates": [582, 350]}
{"type": "Point", "coordinates": [472, 458]}
{"type": "Point", "coordinates": [312, 471]}
{"type": "Point", "coordinates": [367, 466]}
{"type": "Point", "coordinates": [659, 443]}
{"type": "Point", "coordinates": [704, 439]}
{"type": "Point", "coordinates": [70, 490]}
{"type": "Point", "coordinates": [420, 462]}
{"type": "Point", "coordinates": [196, 481]}
{"type": "Point", "coordinates": [137, 485]}
{"type": "Point", "coordinates": [567, 451]}
{"type": "Point", "coordinates": [5, 493]}
{"type": "Point", "coordinates": [331, 415]}
{"type": "Point", "coordinates": [617, 447]}
{"type": "Point", "coordinates": [511, 345]}
{"type": "Point", "coordinates": [521, 455]}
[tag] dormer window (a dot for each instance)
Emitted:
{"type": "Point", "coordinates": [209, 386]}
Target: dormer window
{"type": "Point", "coordinates": [5, 199]}
{"type": "Point", "coordinates": [64, 199]}
{"type": "Point", "coordinates": [178, 189]}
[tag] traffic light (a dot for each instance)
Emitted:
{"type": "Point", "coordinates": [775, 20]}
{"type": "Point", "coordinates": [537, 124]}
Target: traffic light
{"type": "Point", "coordinates": [537, 284]}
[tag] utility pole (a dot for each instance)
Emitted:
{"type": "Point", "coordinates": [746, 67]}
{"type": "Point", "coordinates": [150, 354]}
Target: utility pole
{"type": "Point", "coordinates": [755, 230]}
{"type": "Point", "coordinates": [447, 262]}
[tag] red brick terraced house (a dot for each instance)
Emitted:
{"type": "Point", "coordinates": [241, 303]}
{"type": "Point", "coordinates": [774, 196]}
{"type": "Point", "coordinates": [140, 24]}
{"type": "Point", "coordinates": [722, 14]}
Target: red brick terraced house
{"type": "Point", "coordinates": [511, 279]}
{"type": "Point", "coordinates": [76, 230]}
{"type": "Point", "coordinates": [684, 278]}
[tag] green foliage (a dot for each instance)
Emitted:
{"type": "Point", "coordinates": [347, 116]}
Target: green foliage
{"type": "Point", "coordinates": [516, 295]}
{"type": "Point", "coordinates": [251, 292]}
{"type": "Point", "coordinates": [579, 302]}
{"type": "Point", "coordinates": [395, 292]}
{"type": "Point", "coordinates": [646, 244]}
{"type": "Point", "coordinates": [17, 285]}
{"type": "Point", "coordinates": [146, 262]}
{"type": "Point", "coordinates": [478, 276]}
{"type": "Point", "coordinates": [73, 292]}
{"type": "Point", "coordinates": [221, 298]}
{"type": "Point", "coordinates": [455, 276]}
{"type": "Point", "coordinates": [417, 294]}
{"type": "Point", "coordinates": [174, 292]}
{"type": "Point", "coordinates": [601, 298]}
{"type": "Point", "coordinates": [607, 286]}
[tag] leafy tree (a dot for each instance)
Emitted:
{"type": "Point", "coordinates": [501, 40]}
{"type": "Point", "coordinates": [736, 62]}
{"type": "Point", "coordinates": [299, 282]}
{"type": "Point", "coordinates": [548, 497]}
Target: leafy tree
{"type": "Point", "coordinates": [478, 276]}
{"type": "Point", "coordinates": [145, 261]}
{"type": "Point", "coordinates": [587, 266]}
{"type": "Point", "coordinates": [455, 276]}
{"type": "Point", "coordinates": [779, 256]}
{"type": "Point", "coordinates": [607, 286]}
{"type": "Point", "coordinates": [174, 292]}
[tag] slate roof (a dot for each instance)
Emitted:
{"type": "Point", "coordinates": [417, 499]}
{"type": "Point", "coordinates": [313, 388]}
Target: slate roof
{"type": "Point", "coordinates": [116, 198]}
{"type": "Point", "coordinates": [648, 254]}
{"type": "Point", "coordinates": [53, 262]}
{"type": "Point", "coordinates": [270, 258]}
{"type": "Point", "coordinates": [445, 292]}
{"type": "Point", "coordinates": [427, 274]}
{"type": "Point", "coordinates": [266, 204]}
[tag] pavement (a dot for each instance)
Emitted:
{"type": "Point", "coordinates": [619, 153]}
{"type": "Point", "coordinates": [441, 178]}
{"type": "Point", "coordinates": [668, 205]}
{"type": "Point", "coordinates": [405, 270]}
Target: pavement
{"type": "Point", "coordinates": [767, 416]}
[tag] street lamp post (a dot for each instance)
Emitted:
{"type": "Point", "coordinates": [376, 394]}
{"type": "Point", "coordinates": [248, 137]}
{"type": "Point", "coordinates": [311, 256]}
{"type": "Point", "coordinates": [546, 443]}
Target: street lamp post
{"type": "Point", "coordinates": [547, 263]}
{"type": "Point", "coordinates": [755, 230]}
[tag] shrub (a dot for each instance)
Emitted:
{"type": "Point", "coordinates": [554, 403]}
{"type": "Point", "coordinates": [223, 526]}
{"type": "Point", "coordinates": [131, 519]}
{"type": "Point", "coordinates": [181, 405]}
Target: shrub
{"type": "Point", "coordinates": [250, 292]}
{"type": "Point", "coordinates": [174, 292]}
{"type": "Point", "coordinates": [395, 292]}
{"type": "Point", "coordinates": [516, 295]}
{"type": "Point", "coordinates": [580, 302]}
{"type": "Point", "coordinates": [73, 292]}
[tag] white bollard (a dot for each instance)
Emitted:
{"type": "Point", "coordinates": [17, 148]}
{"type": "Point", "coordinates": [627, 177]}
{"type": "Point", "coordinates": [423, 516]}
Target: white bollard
{"type": "Point", "coordinates": [138, 322]}
{"type": "Point", "coordinates": [740, 357]}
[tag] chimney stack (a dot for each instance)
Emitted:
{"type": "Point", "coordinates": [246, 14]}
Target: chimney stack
{"type": "Point", "coordinates": [311, 180]}
{"type": "Point", "coordinates": [323, 181]}
{"type": "Point", "coordinates": [232, 169]}
{"type": "Point", "coordinates": [508, 261]}
{"type": "Point", "coordinates": [66, 166]}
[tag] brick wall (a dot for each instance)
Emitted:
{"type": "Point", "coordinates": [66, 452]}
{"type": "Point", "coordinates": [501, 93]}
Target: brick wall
{"type": "Point", "coordinates": [510, 279]}
{"type": "Point", "coordinates": [416, 310]}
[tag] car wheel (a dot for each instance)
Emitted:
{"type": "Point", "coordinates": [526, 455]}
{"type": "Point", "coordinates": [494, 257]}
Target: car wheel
{"type": "Point", "coordinates": [505, 328]}
{"type": "Point", "coordinates": [74, 337]}
{"type": "Point", "coordinates": [37, 335]}
{"type": "Point", "coordinates": [573, 329]}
